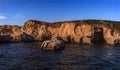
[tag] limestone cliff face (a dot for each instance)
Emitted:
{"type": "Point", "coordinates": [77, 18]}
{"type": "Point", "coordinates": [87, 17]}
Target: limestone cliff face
{"type": "Point", "coordinates": [69, 32]}
{"type": "Point", "coordinates": [73, 33]}
{"type": "Point", "coordinates": [111, 36]}
{"type": "Point", "coordinates": [9, 33]}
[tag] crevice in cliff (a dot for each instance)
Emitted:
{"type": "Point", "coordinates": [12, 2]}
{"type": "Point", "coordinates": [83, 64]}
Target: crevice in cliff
{"type": "Point", "coordinates": [98, 37]}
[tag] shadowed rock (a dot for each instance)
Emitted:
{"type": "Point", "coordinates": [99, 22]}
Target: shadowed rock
{"type": "Point", "coordinates": [98, 36]}
{"type": "Point", "coordinates": [5, 38]}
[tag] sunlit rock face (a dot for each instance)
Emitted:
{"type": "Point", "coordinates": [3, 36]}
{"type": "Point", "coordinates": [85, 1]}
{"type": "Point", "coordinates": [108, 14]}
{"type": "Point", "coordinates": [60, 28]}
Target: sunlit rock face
{"type": "Point", "coordinates": [79, 32]}
{"type": "Point", "coordinates": [55, 44]}
{"type": "Point", "coordinates": [9, 33]}
{"type": "Point", "coordinates": [73, 33]}
{"type": "Point", "coordinates": [111, 36]}
{"type": "Point", "coordinates": [38, 30]}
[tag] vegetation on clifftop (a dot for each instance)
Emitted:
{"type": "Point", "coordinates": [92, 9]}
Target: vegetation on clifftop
{"type": "Point", "coordinates": [111, 24]}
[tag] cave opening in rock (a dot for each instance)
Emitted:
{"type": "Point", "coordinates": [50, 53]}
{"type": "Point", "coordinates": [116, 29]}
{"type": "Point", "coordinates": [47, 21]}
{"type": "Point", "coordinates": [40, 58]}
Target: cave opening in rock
{"type": "Point", "coordinates": [98, 37]}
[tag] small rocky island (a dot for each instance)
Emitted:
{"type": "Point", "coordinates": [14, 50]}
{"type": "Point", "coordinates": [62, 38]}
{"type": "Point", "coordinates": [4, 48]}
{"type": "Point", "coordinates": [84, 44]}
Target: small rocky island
{"type": "Point", "coordinates": [73, 32]}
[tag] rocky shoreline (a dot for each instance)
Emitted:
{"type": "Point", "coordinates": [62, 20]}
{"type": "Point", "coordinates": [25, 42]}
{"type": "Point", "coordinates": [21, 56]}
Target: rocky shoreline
{"type": "Point", "coordinates": [80, 32]}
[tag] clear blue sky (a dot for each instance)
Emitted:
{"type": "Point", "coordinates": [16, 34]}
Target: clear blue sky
{"type": "Point", "coordinates": [16, 12]}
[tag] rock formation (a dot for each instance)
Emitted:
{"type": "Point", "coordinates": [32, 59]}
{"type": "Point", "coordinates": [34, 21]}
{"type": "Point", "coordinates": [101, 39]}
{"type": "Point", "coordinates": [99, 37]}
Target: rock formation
{"type": "Point", "coordinates": [55, 44]}
{"type": "Point", "coordinates": [80, 32]}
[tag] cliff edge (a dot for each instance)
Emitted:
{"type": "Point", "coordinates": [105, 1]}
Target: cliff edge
{"type": "Point", "coordinates": [80, 31]}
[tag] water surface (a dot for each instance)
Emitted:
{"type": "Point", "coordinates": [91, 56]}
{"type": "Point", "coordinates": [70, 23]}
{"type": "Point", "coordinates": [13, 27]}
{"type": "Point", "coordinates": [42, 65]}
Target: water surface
{"type": "Point", "coordinates": [29, 56]}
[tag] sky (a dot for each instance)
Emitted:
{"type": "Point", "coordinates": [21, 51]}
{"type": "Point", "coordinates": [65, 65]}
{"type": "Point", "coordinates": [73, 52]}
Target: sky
{"type": "Point", "coordinates": [17, 12]}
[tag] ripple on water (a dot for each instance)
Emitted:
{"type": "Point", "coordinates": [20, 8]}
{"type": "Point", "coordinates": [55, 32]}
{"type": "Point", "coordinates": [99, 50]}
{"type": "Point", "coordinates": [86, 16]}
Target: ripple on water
{"type": "Point", "coordinates": [29, 56]}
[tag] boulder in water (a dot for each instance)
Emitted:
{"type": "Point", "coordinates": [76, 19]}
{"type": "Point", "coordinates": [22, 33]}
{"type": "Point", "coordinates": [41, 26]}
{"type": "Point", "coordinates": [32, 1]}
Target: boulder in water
{"type": "Point", "coordinates": [54, 44]}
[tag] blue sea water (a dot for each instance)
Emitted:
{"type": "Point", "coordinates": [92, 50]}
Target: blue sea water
{"type": "Point", "coordinates": [29, 56]}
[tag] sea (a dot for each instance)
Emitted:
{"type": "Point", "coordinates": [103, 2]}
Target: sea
{"type": "Point", "coordinates": [29, 56]}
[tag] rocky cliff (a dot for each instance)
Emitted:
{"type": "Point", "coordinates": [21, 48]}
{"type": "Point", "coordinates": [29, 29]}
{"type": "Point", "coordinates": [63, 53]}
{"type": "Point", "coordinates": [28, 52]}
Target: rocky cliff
{"type": "Point", "coordinates": [83, 31]}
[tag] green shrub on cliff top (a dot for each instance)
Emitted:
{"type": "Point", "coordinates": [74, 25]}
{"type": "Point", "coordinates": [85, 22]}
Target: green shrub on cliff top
{"type": "Point", "coordinates": [111, 24]}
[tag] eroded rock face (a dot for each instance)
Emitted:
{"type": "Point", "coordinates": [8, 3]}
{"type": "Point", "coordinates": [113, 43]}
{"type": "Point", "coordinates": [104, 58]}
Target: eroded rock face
{"type": "Point", "coordinates": [69, 32]}
{"type": "Point", "coordinates": [38, 30]}
{"type": "Point", "coordinates": [9, 33]}
{"type": "Point", "coordinates": [111, 36]}
{"type": "Point", "coordinates": [55, 44]}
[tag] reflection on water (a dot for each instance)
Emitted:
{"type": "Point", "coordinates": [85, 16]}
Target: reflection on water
{"type": "Point", "coordinates": [29, 56]}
